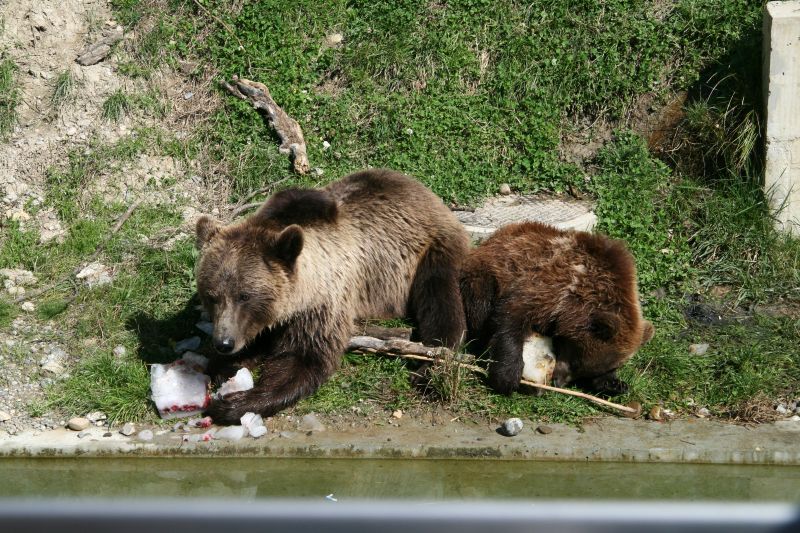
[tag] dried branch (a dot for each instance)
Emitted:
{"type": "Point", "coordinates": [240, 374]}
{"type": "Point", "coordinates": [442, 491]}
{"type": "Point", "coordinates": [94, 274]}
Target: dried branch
{"type": "Point", "coordinates": [288, 130]}
{"type": "Point", "coordinates": [420, 352]}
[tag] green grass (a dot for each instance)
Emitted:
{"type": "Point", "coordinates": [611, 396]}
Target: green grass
{"type": "Point", "coordinates": [465, 96]}
{"type": "Point", "coordinates": [9, 95]}
{"type": "Point", "coordinates": [63, 89]}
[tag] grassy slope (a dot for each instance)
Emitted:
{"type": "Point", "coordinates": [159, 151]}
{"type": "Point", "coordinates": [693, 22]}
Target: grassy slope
{"type": "Point", "coordinates": [466, 95]}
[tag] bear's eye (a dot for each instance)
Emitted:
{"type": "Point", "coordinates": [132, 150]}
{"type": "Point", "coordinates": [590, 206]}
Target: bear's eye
{"type": "Point", "coordinates": [243, 297]}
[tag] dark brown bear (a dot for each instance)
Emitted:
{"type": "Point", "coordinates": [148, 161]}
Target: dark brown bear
{"type": "Point", "coordinates": [285, 286]}
{"type": "Point", "coordinates": [575, 287]}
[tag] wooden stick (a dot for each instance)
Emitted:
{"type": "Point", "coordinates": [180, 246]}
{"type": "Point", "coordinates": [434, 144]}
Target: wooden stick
{"type": "Point", "coordinates": [287, 128]}
{"type": "Point", "coordinates": [420, 352]}
{"type": "Point", "coordinates": [77, 269]}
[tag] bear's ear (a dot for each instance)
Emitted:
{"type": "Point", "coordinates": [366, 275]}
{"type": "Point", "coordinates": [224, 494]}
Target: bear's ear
{"type": "Point", "coordinates": [205, 229]}
{"type": "Point", "coordinates": [288, 245]}
{"type": "Point", "coordinates": [647, 331]}
{"type": "Point", "coordinates": [604, 326]}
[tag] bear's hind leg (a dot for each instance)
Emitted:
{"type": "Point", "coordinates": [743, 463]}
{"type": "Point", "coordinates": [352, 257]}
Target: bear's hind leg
{"type": "Point", "coordinates": [435, 298]}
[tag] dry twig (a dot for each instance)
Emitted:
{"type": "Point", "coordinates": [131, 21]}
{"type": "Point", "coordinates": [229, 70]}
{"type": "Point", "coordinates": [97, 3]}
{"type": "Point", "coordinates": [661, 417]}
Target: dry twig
{"type": "Point", "coordinates": [420, 352]}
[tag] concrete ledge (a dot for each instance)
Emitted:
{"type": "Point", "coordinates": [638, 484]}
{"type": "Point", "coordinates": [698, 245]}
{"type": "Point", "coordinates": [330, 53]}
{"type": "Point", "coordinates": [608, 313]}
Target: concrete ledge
{"type": "Point", "coordinates": [605, 439]}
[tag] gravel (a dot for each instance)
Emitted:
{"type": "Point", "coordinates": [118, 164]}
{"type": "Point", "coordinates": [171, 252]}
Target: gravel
{"type": "Point", "coordinates": [22, 381]}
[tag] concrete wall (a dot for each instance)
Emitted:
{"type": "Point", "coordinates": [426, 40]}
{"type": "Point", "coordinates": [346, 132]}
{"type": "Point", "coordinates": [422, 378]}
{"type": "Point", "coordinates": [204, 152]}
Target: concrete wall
{"type": "Point", "coordinates": [782, 92]}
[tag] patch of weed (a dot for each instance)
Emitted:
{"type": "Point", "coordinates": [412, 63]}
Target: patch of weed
{"type": "Point", "coordinates": [63, 89]}
{"type": "Point", "coordinates": [8, 311]}
{"type": "Point", "coordinates": [51, 308]}
{"type": "Point", "coordinates": [118, 104]}
{"type": "Point", "coordinates": [9, 95]}
{"type": "Point", "coordinates": [119, 388]}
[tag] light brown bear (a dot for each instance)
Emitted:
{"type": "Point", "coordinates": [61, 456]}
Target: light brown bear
{"type": "Point", "coordinates": [285, 286]}
{"type": "Point", "coordinates": [577, 288]}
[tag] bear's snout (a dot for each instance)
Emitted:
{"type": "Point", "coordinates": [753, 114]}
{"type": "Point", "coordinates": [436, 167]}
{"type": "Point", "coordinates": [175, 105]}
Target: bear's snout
{"type": "Point", "coordinates": [225, 344]}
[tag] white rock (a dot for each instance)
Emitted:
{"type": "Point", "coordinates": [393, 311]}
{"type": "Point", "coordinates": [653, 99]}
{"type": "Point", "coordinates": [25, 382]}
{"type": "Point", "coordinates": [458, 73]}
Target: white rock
{"type": "Point", "coordinates": [703, 412]}
{"type": "Point", "coordinates": [4, 417]}
{"type": "Point", "coordinates": [409, 131]}
{"type": "Point", "coordinates": [145, 435]}
{"type": "Point", "coordinates": [119, 351]}
{"type": "Point", "coordinates": [398, 414]}
{"type": "Point", "coordinates": [512, 427]}
{"type": "Point", "coordinates": [128, 429]}
{"type": "Point", "coordinates": [781, 409]}
{"type": "Point", "coordinates": [505, 189]}
{"type": "Point", "coordinates": [242, 381]}
{"type": "Point", "coordinates": [795, 418]}
{"type": "Point", "coordinates": [325, 145]}
{"type": "Point", "coordinates": [96, 416]}
{"type": "Point", "coordinates": [698, 349]}
{"type": "Point", "coordinates": [28, 307]}
{"type": "Point", "coordinates": [95, 274]}
{"type": "Point", "coordinates": [334, 39]}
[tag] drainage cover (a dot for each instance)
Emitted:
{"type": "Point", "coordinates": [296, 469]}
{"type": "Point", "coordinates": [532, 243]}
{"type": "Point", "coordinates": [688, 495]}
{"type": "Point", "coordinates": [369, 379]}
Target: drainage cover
{"type": "Point", "coordinates": [502, 210]}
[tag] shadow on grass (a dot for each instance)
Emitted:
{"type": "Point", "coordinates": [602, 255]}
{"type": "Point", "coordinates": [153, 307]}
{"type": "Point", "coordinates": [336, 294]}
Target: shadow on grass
{"type": "Point", "coordinates": [157, 336]}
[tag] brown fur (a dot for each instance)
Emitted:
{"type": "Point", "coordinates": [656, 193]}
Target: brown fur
{"type": "Point", "coordinates": [285, 286]}
{"type": "Point", "coordinates": [576, 287]}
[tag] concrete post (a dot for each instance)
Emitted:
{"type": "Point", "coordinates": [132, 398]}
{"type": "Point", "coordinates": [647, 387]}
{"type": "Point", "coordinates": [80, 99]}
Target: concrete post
{"type": "Point", "coordinates": [782, 93]}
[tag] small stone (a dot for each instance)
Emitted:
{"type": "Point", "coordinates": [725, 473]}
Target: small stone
{"type": "Point", "coordinates": [77, 423]}
{"type": "Point", "coordinates": [96, 416]}
{"type": "Point", "coordinates": [28, 307]}
{"type": "Point", "coordinates": [206, 327]}
{"type": "Point", "coordinates": [698, 349]}
{"type": "Point", "coordinates": [72, 130]}
{"type": "Point", "coordinates": [544, 430]}
{"type": "Point", "coordinates": [703, 412]}
{"type": "Point", "coordinates": [128, 429]}
{"type": "Point", "coordinates": [145, 435]}
{"type": "Point", "coordinates": [119, 351]}
{"type": "Point", "coordinates": [334, 39]}
{"type": "Point", "coordinates": [95, 274]}
{"type": "Point", "coordinates": [187, 345]}
{"type": "Point", "coordinates": [188, 95]}
{"type": "Point", "coordinates": [505, 189]}
{"type": "Point", "coordinates": [795, 418]}
{"type": "Point", "coordinates": [83, 434]}
{"type": "Point", "coordinates": [318, 171]}
{"type": "Point", "coordinates": [398, 414]}
{"type": "Point", "coordinates": [4, 417]}
{"type": "Point", "coordinates": [511, 427]}
{"type": "Point", "coordinates": [325, 145]}
{"type": "Point", "coordinates": [781, 409]}
{"type": "Point", "coordinates": [310, 422]}
{"type": "Point", "coordinates": [107, 434]}
{"type": "Point", "coordinates": [408, 131]}
{"type": "Point", "coordinates": [655, 413]}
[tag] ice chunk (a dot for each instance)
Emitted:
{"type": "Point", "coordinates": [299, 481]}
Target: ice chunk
{"type": "Point", "coordinates": [254, 425]}
{"type": "Point", "coordinates": [180, 388]}
{"type": "Point", "coordinates": [230, 433]}
{"type": "Point", "coordinates": [243, 380]}
{"type": "Point", "coordinates": [539, 359]}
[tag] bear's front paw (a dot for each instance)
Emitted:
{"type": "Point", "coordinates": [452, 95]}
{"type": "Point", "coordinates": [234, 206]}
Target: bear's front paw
{"type": "Point", "coordinates": [229, 410]}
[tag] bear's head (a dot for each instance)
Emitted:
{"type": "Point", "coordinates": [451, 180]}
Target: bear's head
{"type": "Point", "coordinates": [245, 278]}
{"type": "Point", "coordinates": [592, 358]}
